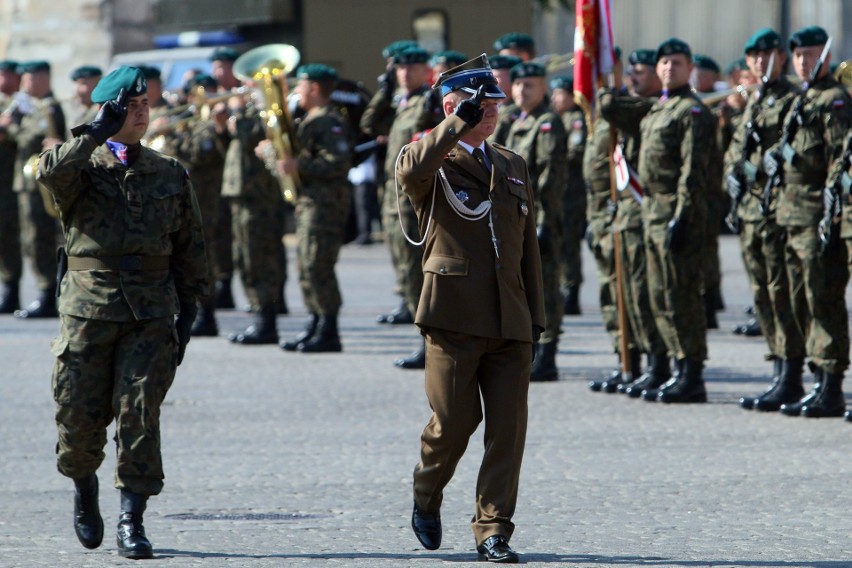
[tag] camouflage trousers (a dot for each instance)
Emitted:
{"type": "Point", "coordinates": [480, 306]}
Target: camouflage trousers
{"type": "Point", "coordinates": [642, 325]}
{"type": "Point", "coordinates": [763, 244]}
{"type": "Point", "coordinates": [604, 253]}
{"type": "Point", "coordinates": [675, 286]}
{"type": "Point", "coordinates": [554, 302]}
{"type": "Point", "coordinates": [113, 370]}
{"type": "Point", "coordinates": [573, 232]}
{"type": "Point", "coordinates": [319, 230]}
{"type": "Point", "coordinates": [711, 269]}
{"type": "Point", "coordinates": [10, 236]}
{"type": "Point", "coordinates": [817, 289]}
{"type": "Point", "coordinates": [258, 226]}
{"type": "Point", "coordinates": [223, 255]}
{"type": "Point", "coordinates": [407, 259]}
{"type": "Point", "coordinates": [39, 234]}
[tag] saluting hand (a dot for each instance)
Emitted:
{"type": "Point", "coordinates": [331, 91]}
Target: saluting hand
{"type": "Point", "coordinates": [110, 118]}
{"type": "Point", "coordinates": [470, 110]}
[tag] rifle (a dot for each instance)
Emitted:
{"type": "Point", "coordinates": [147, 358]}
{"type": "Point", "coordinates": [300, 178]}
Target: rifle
{"type": "Point", "coordinates": [738, 181]}
{"type": "Point", "coordinates": [772, 161]}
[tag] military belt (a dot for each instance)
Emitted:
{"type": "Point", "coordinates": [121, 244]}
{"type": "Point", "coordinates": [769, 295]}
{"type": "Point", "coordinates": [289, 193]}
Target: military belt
{"type": "Point", "coordinates": [805, 179]}
{"type": "Point", "coordinates": [118, 262]}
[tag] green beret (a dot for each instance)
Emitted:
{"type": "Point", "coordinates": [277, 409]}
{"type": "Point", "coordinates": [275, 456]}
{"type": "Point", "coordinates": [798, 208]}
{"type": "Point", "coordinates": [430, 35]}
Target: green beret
{"type": "Point", "coordinates": [392, 49]}
{"type": "Point", "coordinates": [617, 51]}
{"type": "Point", "coordinates": [704, 62]}
{"type": "Point", "coordinates": [514, 40]}
{"type": "Point", "coordinates": [411, 55]}
{"type": "Point", "coordinates": [316, 72]}
{"type": "Point", "coordinates": [807, 37]}
{"type": "Point", "coordinates": [86, 72]}
{"type": "Point", "coordinates": [673, 46]}
{"type": "Point", "coordinates": [201, 79]}
{"type": "Point", "coordinates": [449, 58]}
{"type": "Point", "coordinates": [763, 39]}
{"type": "Point", "coordinates": [9, 65]}
{"type": "Point", "coordinates": [33, 67]}
{"type": "Point", "coordinates": [150, 72]}
{"type": "Point", "coordinates": [130, 79]}
{"type": "Point", "coordinates": [565, 83]}
{"type": "Point", "coordinates": [528, 69]}
{"type": "Point", "coordinates": [643, 57]}
{"type": "Point", "coordinates": [224, 54]}
{"type": "Point", "coordinates": [504, 61]}
{"type": "Point", "coordinates": [736, 65]}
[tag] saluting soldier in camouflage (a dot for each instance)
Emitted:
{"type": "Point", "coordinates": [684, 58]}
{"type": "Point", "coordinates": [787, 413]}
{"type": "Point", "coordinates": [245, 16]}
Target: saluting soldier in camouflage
{"type": "Point", "coordinates": [538, 136]}
{"type": "Point", "coordinates": [412, 115]}
{"type": "Point", "coordinates": [85, 79]}
{"type": "Point", "coordinates": [135, 260]}
{"type": "Point", "coordinates": [625, 112]}
{"type": "Point", "coordinates": [761, 238]}
{"type": "Point", "coordinates": [322, 206]}
{"type": "Point", "coordinates": [677, 139]}
{"type": "Point", "coordinates": [10, 225]}
{"type": "Point", "coordinates": [201, 147]}
{"type": "Point", "coordinates": [574, 197]}
{"type": "Point", "coordinates": [822, 115]}
{"type": "Point", "coordinates": [36, 123]}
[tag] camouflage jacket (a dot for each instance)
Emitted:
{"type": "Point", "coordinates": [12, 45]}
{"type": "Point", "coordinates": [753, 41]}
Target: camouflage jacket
{"type": "Point", "coordinates": [678, 137]}
{"type": "Point", "coordinates": [245, 175]}
{"type": "Point", "coordinates": [596, 170]}
{"type": "Point", "coordinates": [325, 156]}
{"type": "Point", "coordinates": [8, 150]}
{"type": "Point", "coordinates": [576, 131]}
{"type": "Point", "coordinates": [539, 138]}
{"type": "Point", "coordinates": [32, 122]}
{"type": "Point", "coordinates": [506, 115]}
{"type": "Point", "coordinates": [109, 210]}
{"type": "Point", "coordinates": [202, 151]}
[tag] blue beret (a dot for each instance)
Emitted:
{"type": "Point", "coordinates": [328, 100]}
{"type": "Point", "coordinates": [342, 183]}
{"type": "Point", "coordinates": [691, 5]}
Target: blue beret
{"type": "Point", "coordinates": [86, 72]}
{"type": "Point", "coordinates": [528, 69]}
{"type": "Point", "coordinates": [468, 77]}
{"type": "Point", "coordinates": [643, 57]}
{"type": "Point", "coordinates": [393, 48]}
{"type": "Point", "coordinates": [9, 65]}
{"type": "Point", "coordinates": [504, 61]}
{"type": "Point", "coordinates": [763, 39]}
{"type": "Point", "coordinates": [33, 67]}
{"type": "Point", "coordinates": [130, 79]}
{"type": "Point", "coordinates": [673, 46]}
{"type": "Point", "coordinates": [449, 58]}
{"type": "Point", "coordinates": [411, 55]}
{"type": "Point", "coordinates": [224, 54]}
{"type": "Point", "coordinates": [704, 62]}
{"type": "Point", "coordinates": [808, 37]}
{"type": "Point", "coordinates": [514, 40]}
{"type": "Point", "coordinates": [316, 72]}
{"type": "Point", "coordinates": [566, 83]}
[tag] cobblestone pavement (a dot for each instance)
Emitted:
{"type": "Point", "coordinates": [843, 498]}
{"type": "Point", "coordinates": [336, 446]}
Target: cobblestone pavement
{"type": "Point", "coordinates": [287, 459]}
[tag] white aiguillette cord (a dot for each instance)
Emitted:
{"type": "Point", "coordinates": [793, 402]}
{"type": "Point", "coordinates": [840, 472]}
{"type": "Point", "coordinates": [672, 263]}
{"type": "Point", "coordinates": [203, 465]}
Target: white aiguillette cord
{"type": "Point", "coordinates": [460, 208]}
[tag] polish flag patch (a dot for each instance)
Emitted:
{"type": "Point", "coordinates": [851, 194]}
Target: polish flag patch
{"type": "Point", "coordinates": [545, 127]}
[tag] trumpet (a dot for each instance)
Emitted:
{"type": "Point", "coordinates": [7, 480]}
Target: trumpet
{"type": "Point", "coordinates": [267, 66]}
{"type": "Point", "coordinates": [710, 99]}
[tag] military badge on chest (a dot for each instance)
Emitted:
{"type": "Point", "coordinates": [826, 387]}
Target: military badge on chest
{"type": "Point", "coordinates": [462, 196]}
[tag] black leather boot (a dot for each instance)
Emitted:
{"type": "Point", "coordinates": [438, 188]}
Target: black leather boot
{"type": "Point", "coordinates": [305, 335]}
{"type": "Point", "coordinates": [710, 311]}
{"type": "Point", "coordinates": [43, 307]}
{"type": "Point", "coordinates": [848, 416]}
{"type": "Point", "coordinates": [9, 298]}
{"type": "Point", "coordinates": [224, 297]}
{"type": "Point", "coordinates": [130, 536]}
{"type": "Point", "coordinates": [830, 403]}
{"type": "Point", "coordinates": [795, 408]}
{"type": "Point", "coordinates": [572, 300]}
{"type": "Point", "coordinates": [787, 390]}
{"type": "Point", "coordinates": [262, 330]}
{"type": "Point", "coordinates": [88, 523]}
{"type": "Point", "coordinates": [689, 388]}
{"type": "Point", "coordinates": [614, 375]}
{"type": "Point", "coordinates": [417, 360]}
{"type": "Point", "coordinates": [325, 340]}
{"type": "Point", "coordinates": [282, 303]}
{"type": "Point", "coordinates": [401, 315]}
{"type": "Point", "coordinates": [205, 322]}
{"type": "Point", "coordinates": [652, 395]}
{"type": "Point", "coordinates": [751, 328]}
{"type": "Point", "coordinates": [544, 368]}
{"type": "Point", "coordinates": [657, 376]}
{"type": "Point", "coordinates": [747, 402]}
{"type": "Point", "coordinates": [612, 385]}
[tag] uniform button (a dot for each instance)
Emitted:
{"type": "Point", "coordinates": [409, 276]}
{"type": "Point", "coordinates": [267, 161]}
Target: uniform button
{"type": "Point", "coordinates": [452, 131]}
{"type": "Point", "coordinates": [443, 270]}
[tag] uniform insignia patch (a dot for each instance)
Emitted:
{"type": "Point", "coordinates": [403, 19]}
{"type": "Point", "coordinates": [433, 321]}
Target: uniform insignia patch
{"type": "Point", "coordinates": [696, 110]}
{"type": "Point", "coordinates": [462, 196]}
{"type": "Point", "coordinates": [516, 181]}
{"type": "Point", "coordinates": [545, 127]}
{"type": "Point", "coordinates": [420, 135]}
{"type": "Point", "coordinates": [838, 103]}
{"type": "Point", "coordinates": [524, 209]}
{"type": "Point", "coordinates": [577, 125]}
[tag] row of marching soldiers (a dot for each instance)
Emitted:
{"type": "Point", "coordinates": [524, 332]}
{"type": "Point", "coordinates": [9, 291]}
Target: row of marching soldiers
{"type": "Point", "coordinates": [784, 157]}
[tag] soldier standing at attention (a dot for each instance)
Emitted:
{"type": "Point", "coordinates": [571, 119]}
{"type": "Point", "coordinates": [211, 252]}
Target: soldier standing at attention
{"type": "Point", "coordinates": [481, 307]}
{"type": "Point", "coordinates": [10, 224]}
{"type": "Point", "coordinates": [135, 260]}
{"type": "Point", "coordinates": [85, 80]}
{"type": "Point", "coordinates": [514, 45]}
{"type": "Point", "coordinates": [574, 197]}
{"type": "Point", "coordinates": [538, 136]}
{"type": "Point", "coordinates": [323, 162]}
{"type": "Point", "coordinates": [677, 139]}
{"type": "Point", "coordinates": [816, 127]}
{"type": "Point", "coordinates": [36, 124]}
{"type": "Point", "coordinates": [761, 238]}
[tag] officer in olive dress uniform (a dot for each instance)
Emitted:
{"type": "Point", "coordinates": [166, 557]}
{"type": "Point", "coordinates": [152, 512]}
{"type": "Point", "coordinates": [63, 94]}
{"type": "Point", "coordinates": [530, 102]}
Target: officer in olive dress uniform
{"type": "Point", "coordinates": [36, 123]}
{"type": "Point", "coordinates": [538, 136]}
{"type": "Point", "coordinates": [817, 274]}
{"type": "Point", "coordinates": [10, 225]}
{"type": "Point", "coordinates": [481, 307]}
{"type": "Point", "coordinates": [677, 139]}
{"type": "Point", "coordinates": [85, 79]}
{"type": "Point", "coordinates": [761, 238]}
{"type": "Point", "coordinates": [135, 260]}
{"type": "Point", "coordinates": [574, 197]}
{"type": "Point", "coordinates": [322, 205]}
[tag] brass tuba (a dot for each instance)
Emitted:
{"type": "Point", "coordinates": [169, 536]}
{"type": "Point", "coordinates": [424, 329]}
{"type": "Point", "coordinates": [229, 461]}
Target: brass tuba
{"type": "Point", "coordinates": [843, 74]}
{"type": "Point", "coordinates": [267, 67]}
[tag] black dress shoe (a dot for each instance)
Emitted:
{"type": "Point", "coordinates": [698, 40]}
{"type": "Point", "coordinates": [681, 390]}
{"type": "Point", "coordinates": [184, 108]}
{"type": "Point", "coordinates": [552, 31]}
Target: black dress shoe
{"type": "Point", "coordinates": [496, 549]}
{"type": "Point", "coordinates": [88, 524]}
{"type": "Point", "coordinates": [427, 528]}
